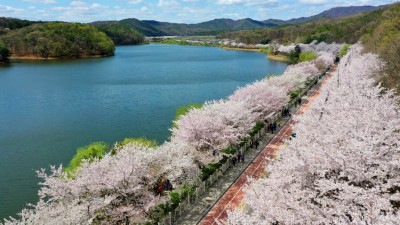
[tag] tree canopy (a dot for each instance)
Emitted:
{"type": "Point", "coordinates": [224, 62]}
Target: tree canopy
{"type": "Point", "coordinates": [121, 34]}
{"type": "Point", "coordinates": [4, 52]}
{"type": "Point", "coordinates": [58, 40]}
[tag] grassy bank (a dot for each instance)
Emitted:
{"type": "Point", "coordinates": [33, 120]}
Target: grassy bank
{"type": "Point", "coordinates": [242, 49]}
{"type": "Point", "coordinates": [281, 58]}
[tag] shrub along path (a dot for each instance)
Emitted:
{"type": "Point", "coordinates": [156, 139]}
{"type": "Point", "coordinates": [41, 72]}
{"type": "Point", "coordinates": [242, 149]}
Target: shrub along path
{"type": "Point", "coordinates": [233, 197]}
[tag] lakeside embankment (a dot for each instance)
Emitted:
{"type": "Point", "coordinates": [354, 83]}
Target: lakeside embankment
{"type": "Point", "coordinates": [276, 57]}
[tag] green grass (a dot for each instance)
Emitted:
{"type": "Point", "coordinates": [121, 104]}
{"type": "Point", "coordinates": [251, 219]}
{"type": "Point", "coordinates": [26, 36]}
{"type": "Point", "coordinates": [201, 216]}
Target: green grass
{"type": "Point", "coordinates": [307, 56]}
{"type": "Point", "coordinates": [343, 50]}
{"type": "Point", "coordinates": [90, 152]}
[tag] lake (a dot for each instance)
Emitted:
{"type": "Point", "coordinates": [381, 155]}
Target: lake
{"type": "Point", "coordinates": [50, 108]}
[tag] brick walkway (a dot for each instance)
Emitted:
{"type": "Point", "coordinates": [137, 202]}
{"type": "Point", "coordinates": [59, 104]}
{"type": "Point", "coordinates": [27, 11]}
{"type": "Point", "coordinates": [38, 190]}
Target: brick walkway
{"type": "Point", "coordinates": [234, 196]}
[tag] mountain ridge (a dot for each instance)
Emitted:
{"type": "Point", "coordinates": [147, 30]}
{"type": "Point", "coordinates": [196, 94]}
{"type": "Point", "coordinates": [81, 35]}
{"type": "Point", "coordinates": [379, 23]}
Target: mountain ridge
{"type": "Point", "coordinates": [215, 26]}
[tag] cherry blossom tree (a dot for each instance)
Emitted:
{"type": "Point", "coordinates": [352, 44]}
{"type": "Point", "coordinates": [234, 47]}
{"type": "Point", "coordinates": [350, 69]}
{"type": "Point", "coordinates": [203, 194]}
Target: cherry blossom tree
{"type": "Point", "coordinates": [115, 182]}
{"type": "Point", "coordinates": [215, 126]}
{"type": "Point", "coordinates": [262, 98]}
{"type": "Point", "coordinates": [343, 166]}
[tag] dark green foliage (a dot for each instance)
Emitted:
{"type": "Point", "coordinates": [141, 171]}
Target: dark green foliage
{"type": "Point", "coordinates": [58, 40]}
{"type": "Point", "coordinates": [210, 169]}
{"type": "Point", "coordinates": [320, 37]}
{"type": "Point", "coordinates": [4, 52]}
{"type": "Point", "coordinates": [296, 93]}
{"type": "Point", "coordinates": [259, 126]}
{"type": "Point", "coordinates": [295, 54]}
{"type": "Point", "coordinates": [7, 24]}
{"type": "Point", "coordinates": [120, 33]}
{"type": "Point", "coordinates": [175, 199]}
{"type": "Point", "coordinates": [230, 150]}
{"type": "Point", "coordinates": [265, 41]}
{"type": "Point", "coordinates": [90, 152]}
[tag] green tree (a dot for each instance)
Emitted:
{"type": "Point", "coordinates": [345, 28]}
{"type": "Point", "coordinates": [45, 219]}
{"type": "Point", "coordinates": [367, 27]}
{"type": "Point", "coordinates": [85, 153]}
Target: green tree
{"type": "Point", "coordinates": [4, 52]}
{"type": "Point", "coordinates": [343, 50]}
{"type": "Point", "coordinates": [58, 40]}
{"type": "Point", "coordinates": [90, 152]}
{"type": "Point", "coordinates": [295, 54]}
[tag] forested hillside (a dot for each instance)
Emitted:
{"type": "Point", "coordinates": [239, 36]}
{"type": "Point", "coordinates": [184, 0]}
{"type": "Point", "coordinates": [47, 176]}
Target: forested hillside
{"type": "Point", "coordinates": [58, 40]}
{"type": "Point", "coordinates": [385, 40]}
{"type": "Point", "coordinates": [349, 30]}
{"type": "Point", "coordinates": [120, 33]}
{"type": "Point", "coordinates": [7, 24]}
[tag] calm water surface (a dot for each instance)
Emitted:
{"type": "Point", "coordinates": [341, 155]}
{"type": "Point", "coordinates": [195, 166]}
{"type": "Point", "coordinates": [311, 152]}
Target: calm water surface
{"type": "Point", "coordinates": [50, 108]}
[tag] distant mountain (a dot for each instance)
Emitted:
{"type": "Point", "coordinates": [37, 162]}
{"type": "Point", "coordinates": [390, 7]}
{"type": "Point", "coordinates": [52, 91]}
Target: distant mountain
{"type": "Point", "coordinates": [216, 26]}
{"type": "Point", "coordinates": [209, 27]}
{"type": "Point", "coordinates": [334, 13]}
{"type": "Point", "coordinates": [143, 27]}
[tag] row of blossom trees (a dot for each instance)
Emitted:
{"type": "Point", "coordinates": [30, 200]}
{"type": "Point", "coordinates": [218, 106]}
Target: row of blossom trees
{"type": "Point", "coordinates": [313, 46]}
{"type": "Point", "coordinates": [344, 165]}
{"type": "Point", "coordinates": [123, 181]}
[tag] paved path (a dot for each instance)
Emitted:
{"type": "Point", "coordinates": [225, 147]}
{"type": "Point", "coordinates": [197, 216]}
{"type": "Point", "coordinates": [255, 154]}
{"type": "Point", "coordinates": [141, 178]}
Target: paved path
{"type": "Point", "coordinates": [234, 196]}
{"type": "Point", "coordinates": [217, 190]}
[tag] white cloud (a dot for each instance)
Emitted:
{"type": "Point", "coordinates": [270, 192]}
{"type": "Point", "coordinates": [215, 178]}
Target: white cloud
{"type": "Point", "coordinates": [41, 1]}
{"type": "Point", "coordinates": [134, 1]}
{"type": "Point", "coordinates": [313, 2]}
{"type": "Point", "coordinates": [9, 9]}
{"type": "Point", "coordinates": [247, 2]}
{"type": "Point", "coordinates": [168, 3]}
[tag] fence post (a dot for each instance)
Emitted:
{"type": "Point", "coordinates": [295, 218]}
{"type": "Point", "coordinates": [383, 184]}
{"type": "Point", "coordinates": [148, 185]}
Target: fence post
{"type": "Point", "coordinates": [170, 218]}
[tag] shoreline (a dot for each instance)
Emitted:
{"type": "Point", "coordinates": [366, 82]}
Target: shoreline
{"type": "Point", "coordinates": [280, 58]}
{"type": "Point", "coordinates": [34, 58]}
{"type": "Point", "coordinates": [241, 49]}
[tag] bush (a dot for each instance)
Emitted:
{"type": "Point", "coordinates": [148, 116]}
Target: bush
{"type": "Point", "coordinates": [160, 211]}
{"type": "Point", "coordinates": [175, 199]}
{"type": "Point", "coordinates": [210, 169]}
{"type": "Point", "coordinates": [295, 94]}
{"type": "Point", "coordinates": [4, 52]}
{"type": "Point", "coordinates": [90, 152]}
{"type": "Point", "coordinates": [259, 125]}
{"type": "Point", "coordinates": [230, 150]}
{"type": "Point", "coordinates": [307, 56]}
{"type": "Point", "coordinates": [186, 191]}
{"type": "Point", "coordinates": [295, 54]}
{"type": "Point", "coordinates": [343, 50]}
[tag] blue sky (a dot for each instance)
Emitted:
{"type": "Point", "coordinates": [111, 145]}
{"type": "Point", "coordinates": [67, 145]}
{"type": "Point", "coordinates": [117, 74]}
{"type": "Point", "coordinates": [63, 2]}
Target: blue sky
{"type": "Point", "coordinates": [183, 11]}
